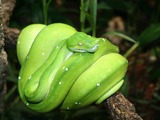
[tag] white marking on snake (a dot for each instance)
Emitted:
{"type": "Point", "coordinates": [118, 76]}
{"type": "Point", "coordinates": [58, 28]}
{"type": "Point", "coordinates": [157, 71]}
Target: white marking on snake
{"type": "Point", "coordinates": [27, 57]}
{"type": "Point", "coordinates": [60, 83]}
{"type": "Point", "coordinates": [43, 53]}
{"type": "Point", "coordinates": [27, 104]}
{"type": "Point", "coordinates": [98, 84]}
{"type": "Point", "coordinates": [57, 47]}
{"type": "Point", "coordinates": [68, 56]}
{"type": "Point", "coordinates": [19, 78]}
{"type": "Point", "coordinates": [30, 77]}
{"type": "Point", "coordinates": [18, 42]}
{"type": "Point", "coordinates": [66, 69]}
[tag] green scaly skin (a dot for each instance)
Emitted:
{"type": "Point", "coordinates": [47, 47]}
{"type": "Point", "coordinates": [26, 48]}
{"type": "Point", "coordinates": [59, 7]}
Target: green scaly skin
{"type": "Point", "coordinates": [26, 39]}
{"type": "Point", "coordinates": [48, 38]}
{"type": "Point", "coordinates": [34, 89]}
{"type": "Point", "coordinates": [97, 85]}
{"type": "Point", "coordinates": [80, 71]}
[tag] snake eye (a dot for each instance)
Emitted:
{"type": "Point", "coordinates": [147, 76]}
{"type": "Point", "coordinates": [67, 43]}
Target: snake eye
{"type": "Point", "coordinates": [80, 44]}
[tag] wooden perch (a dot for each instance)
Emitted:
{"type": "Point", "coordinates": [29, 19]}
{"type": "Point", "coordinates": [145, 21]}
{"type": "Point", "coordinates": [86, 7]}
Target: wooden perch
{"type": "Point", "coordinates": [120, 108]}
{"type": "Point", "coordinates": [3, 63]}
{"type": "Point", "coordinates": [10, 34]}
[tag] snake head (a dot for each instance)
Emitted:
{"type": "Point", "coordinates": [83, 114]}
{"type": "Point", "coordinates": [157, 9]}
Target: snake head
{"type": "Point", "coordinates": [81, 42]}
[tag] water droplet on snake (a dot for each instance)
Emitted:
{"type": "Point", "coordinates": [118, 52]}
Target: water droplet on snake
{"type": "Point", "coordinates": [43, 53]}
{"type": "Point", "coordinates": [98, 84]}
{"type": "Point", "coordinates": [30, 77]}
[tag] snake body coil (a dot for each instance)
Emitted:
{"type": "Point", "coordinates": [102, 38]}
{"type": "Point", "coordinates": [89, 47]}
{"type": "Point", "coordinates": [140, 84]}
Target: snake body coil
{"type": "Point", "coordinates": [61, 67]}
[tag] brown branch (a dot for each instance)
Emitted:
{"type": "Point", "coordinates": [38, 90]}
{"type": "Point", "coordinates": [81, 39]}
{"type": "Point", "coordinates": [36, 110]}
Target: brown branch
{"type": "Point", "coordinates": [10, 34]}
{"type": "Point", "coordinates": [120, 108]}
{"type": "Point", "coordinates": [3, 63]}
{"type": "Point", "coordinates": [7, 35]}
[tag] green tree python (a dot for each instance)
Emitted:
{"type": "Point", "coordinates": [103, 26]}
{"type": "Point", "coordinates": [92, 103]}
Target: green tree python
{"type": "Point", "coordinates": [61, 67]}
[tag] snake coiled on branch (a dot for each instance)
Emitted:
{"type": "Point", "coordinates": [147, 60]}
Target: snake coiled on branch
{"type": "Point", "coordinates": [61, 67]}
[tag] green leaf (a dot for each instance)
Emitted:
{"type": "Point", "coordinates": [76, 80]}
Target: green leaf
{"type": "Point", "coordinates": [84, 10]}
{"type": "Point", "coordinates": [87, 15]}
{"type": "Point", "coordinates": [83, 13]}
{"type": "Point", "coordinates": [121, 35]}
{"type": "Point", "coordinates": [150, 34]}
{"type": "Point", "coordinates": [93, 12]}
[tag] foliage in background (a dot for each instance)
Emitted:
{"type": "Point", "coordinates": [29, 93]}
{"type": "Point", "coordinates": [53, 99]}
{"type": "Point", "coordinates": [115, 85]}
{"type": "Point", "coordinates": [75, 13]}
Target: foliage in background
{"type": "Point", "coordinates": [142, 25]}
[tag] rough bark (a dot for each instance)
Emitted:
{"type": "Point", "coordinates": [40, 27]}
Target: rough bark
{"type": "Point", "coordinates": [10, 34]}
{"type": "Point", "coordinates": [3, 63]}
{"type": "Point", "coordinates": [120, 108]}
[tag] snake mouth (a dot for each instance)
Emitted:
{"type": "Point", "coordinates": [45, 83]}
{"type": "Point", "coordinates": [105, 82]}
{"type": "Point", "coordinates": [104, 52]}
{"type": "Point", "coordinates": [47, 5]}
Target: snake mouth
{"type": "Point", "coordinates": [94, 48]}
{"type": "Point", "coordinates": [82, 50]}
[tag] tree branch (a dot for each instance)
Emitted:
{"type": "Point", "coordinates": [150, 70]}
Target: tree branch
{"type": "Point", "coordinates": [10, 34]}
{"type": "Point", "coordinates": [120, 108]}
{"type": "Point", "coordinates": [3, 63]}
